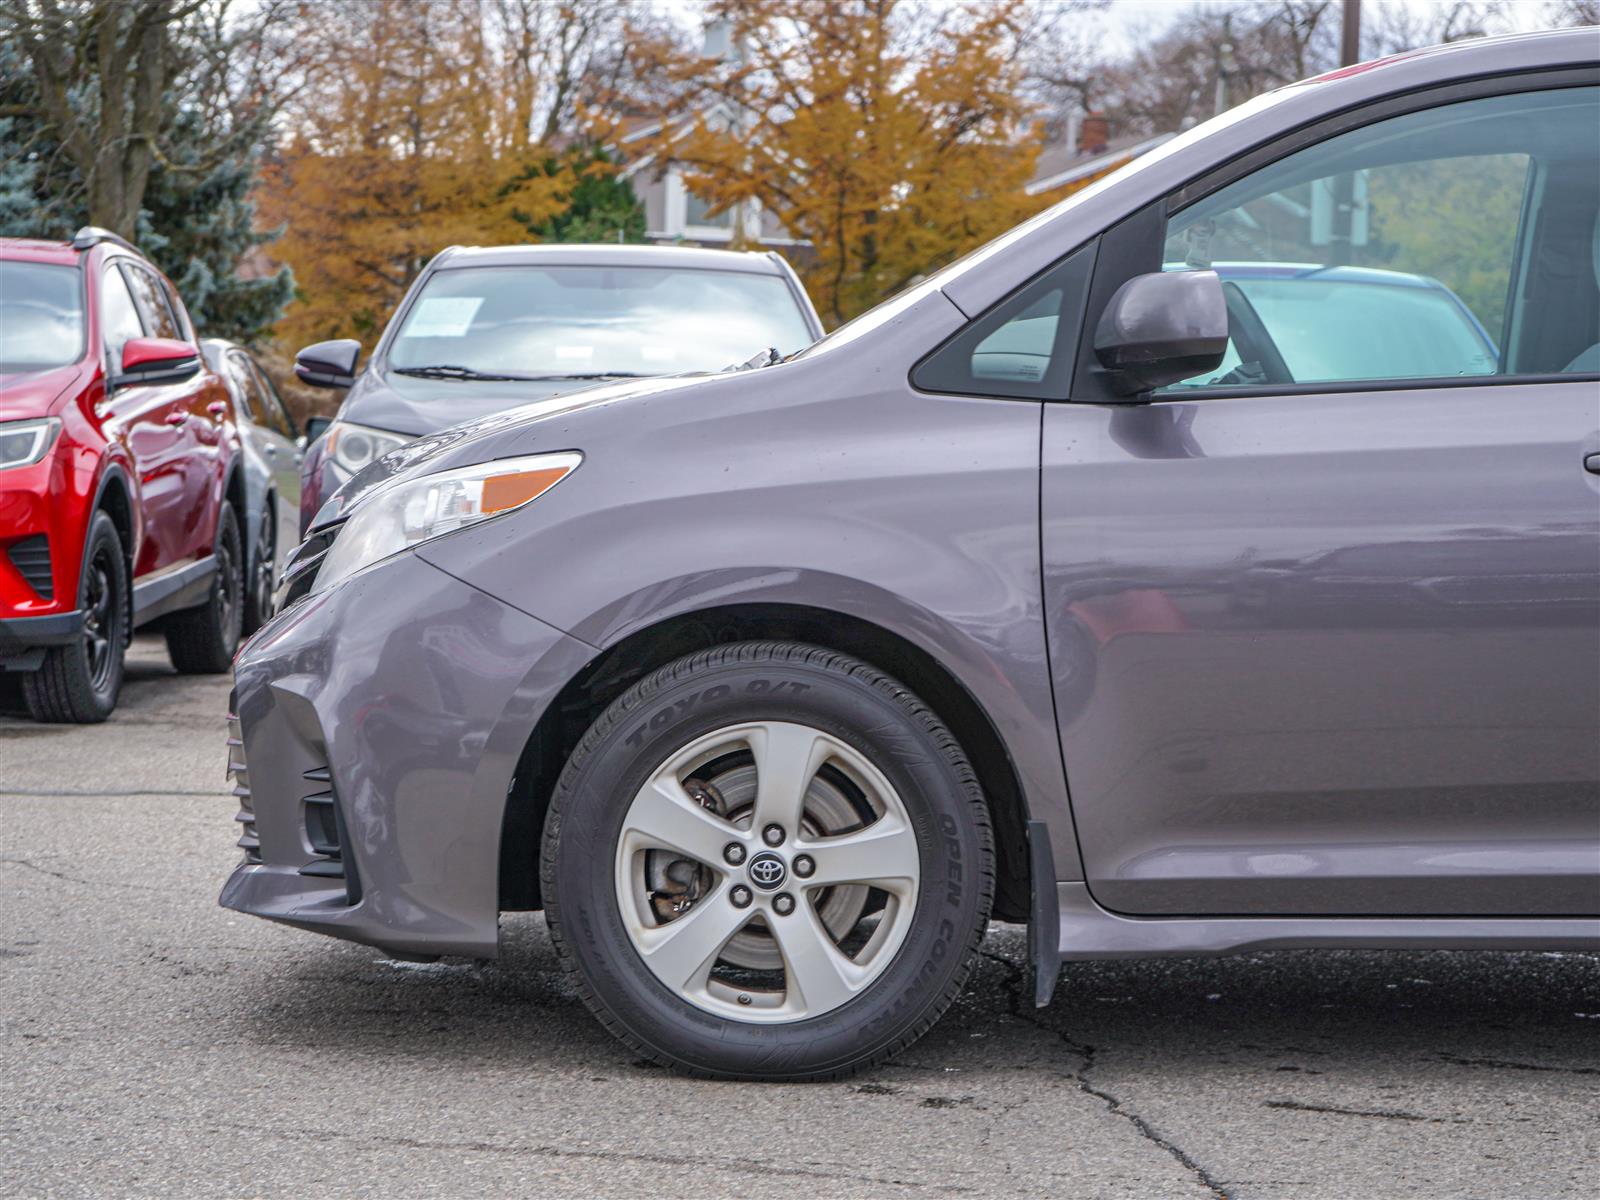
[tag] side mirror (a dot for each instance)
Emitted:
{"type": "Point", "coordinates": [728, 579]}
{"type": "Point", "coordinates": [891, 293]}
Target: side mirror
{"type": "Point", "coordinates": [1162, 327]}
{"type": "Point", "coordinates": [328, 364]}
{"type": "Point", "coordinates": [315, 428]}
{"type": "Point", "coordinates": [155, 360]}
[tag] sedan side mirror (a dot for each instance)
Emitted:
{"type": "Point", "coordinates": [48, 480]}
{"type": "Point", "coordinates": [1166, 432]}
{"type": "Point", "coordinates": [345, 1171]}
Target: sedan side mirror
{"type": "Point", "coordinates": [315, 428]}
{"type": "Point", "coordinates": [1162, 327]}
{"type": "Point", "coordinates": [155, 360]}
{"type": "Point", "coordinates": [328, 364]}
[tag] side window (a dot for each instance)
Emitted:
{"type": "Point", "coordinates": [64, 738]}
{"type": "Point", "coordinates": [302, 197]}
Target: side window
{"type": "Point", "coordinates": [152, 300]}
{"type": "Point", "coordinates": [1024, 346]}
{"type": "Point", "coordinates": [1405, 249]}
{"type": "Point", "coordinates": [277, 415]}
{"type": "Point", "coordinates": [244, 386]}
{"type": "Point", "coordinates": [119, 319]}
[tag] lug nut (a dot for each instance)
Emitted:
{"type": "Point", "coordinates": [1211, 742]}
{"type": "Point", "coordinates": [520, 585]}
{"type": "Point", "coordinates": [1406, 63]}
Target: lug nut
{"type": "Point", "coordinates": [733, 853]}
{"type": "Point", "coordinates": [783, 904]}
{"type": "Point", "coordinates": [772, 835]}
{"type": "Point", "coordinates": [804, 866]}
{"type": "Point", "coordinates": [740, 896]}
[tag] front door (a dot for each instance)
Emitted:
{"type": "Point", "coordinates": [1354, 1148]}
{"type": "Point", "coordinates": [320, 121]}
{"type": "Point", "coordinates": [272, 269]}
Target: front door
{"type": "Point", "coordinates": [1325, 622]}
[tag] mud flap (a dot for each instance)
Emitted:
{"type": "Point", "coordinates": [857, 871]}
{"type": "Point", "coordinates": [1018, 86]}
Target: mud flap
{"type": "Point", "coordinates": [1044, 920]}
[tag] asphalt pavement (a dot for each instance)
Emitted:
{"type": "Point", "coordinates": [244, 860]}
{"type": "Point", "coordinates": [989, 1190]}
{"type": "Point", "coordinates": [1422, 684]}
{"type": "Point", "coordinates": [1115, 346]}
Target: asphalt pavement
{"type": "Point", "coordinates": [153, 1044]}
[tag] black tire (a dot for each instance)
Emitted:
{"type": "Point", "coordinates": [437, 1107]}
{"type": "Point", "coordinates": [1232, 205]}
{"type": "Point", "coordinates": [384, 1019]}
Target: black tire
{"type": "Point", "coordinates": [79, 683]}
{"type": "Point", "coordinates": [769, 681]}
{"type": "Point", "coordinates": [201, 640]}
{"type": "Point", "coordinates": [258, 591]}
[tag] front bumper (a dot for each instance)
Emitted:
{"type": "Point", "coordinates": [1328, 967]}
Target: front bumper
{"type": "Point", "coordinates": [378, 727]}
{"type": "Point", "coordinates": [23, 640]}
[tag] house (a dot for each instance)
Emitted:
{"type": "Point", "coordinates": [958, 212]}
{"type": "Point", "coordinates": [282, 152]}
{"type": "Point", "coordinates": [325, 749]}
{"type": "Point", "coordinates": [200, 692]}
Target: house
{"type": "Point", "coordinates": [674, 214]}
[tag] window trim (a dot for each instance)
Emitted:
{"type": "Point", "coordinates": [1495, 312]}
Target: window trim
{"type": "Point", "coordinates": [1127, 258]}
{"type": "Point", "coordinates": [127, 265]}
{"type": "Point", "coordinates": [113, 365]}
{"type": "Point", "coordinates": [1066, 339]}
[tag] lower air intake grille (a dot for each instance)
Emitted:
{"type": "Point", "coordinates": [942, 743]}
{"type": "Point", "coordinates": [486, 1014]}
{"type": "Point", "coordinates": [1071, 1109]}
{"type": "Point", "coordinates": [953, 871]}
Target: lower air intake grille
{"type": "Point", "coordinates": [326, 834]}
{"type": "Point", "coordinates": [240, 774]}
{"type": "Point", "coordinates": [31, 557]}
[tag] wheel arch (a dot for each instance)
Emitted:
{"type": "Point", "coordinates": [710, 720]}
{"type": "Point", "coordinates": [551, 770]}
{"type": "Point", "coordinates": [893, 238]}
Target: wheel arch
{"type": "Point", "coordinates": [114, 496]}
{"type": "Point", "coordinates": [621, 664]}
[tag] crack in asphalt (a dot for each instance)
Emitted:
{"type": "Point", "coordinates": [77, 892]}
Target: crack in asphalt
{"type": "Point", "coordinates": [72, 793]}
{"type": "Point", "coordinates": [1383, 1114]}
{"type": "Point", "coordinates": [1014, 985]}
{"type": "Point", "coordinates": [737, 1166]}
{"type": "Point", "coordinates": [1500, 1064]}
{"type": "Point", "coordinates": [33, 866]}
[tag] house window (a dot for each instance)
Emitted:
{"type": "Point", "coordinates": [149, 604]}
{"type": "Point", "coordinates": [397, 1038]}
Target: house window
{"type": "Point", "coordinates": [695, 212]}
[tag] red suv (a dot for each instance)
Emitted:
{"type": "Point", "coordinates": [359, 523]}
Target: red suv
{"type": "Point", "coordinates": [119, 491]}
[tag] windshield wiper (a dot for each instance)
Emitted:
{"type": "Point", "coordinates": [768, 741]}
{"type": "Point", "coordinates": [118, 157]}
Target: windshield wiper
{"type": "Point", "coordinates": [451, 371]}
{"type": "Point", "coordinates": [761, 358]}
{"type": "Point", "coordinates": [597, 375]}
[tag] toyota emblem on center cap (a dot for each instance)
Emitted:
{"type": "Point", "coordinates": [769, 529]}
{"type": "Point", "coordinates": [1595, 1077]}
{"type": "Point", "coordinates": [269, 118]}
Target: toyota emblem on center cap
{"type": "Point", "coordinates": [767, 871]}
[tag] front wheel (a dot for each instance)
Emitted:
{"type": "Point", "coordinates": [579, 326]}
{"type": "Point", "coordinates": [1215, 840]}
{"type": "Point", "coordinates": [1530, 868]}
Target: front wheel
{"type": "Point", "coordinates": [201, 641]}
{"type": "Point", "coordinates": [768, 861]}
{"type": "Point", "coordinates": [79, 682]}
{"type": "Point", "coordinates": [258, 595]}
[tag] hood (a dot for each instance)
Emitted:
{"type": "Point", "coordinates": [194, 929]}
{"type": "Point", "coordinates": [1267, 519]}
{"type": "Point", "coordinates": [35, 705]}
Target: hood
{"type": "Point", "coordinates": [406, 404]}
{"type": "Point", "coordinates": [34, 393]}
{"type": "Point", "coordinates": [501, 433]}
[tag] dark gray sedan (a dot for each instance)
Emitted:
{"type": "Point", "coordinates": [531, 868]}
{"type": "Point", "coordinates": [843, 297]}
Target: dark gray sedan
{"type": "Point", "coordinates": [484, 329]}
{"type": "Point", "coordinates": [1102, 582]}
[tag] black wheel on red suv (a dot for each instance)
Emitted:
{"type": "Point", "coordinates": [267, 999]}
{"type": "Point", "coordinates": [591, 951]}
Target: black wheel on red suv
{"type": "Point", "coordinates": [78, 683]}
{"type": "Point", "coordinates": [201, 641]}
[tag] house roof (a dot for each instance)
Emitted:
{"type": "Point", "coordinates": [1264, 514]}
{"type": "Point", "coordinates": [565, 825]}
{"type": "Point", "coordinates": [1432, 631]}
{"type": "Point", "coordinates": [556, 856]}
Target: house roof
{"type": "Point", "coordinates": [1063, 167]}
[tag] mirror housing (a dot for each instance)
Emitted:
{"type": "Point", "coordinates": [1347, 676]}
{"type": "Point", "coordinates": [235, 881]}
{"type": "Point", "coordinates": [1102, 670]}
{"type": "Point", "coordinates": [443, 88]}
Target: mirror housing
{"type": "Point", "coordinates": [1162, 327]}
{"type": "Point", "coordinates": [155, 360]}
{"type": "Point", "coordinates": [328, 364]}
{"type": "Point", "coordinates": [315, 428]}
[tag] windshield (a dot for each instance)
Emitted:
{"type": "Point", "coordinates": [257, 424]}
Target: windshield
{"type": "Point", "coordinates": [41, 316]}
{"type": "Point", "coordinates": [592, 322]}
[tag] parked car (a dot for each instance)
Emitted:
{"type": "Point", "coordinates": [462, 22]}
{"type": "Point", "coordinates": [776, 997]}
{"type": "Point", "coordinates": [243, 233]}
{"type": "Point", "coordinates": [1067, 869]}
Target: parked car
{"type": "Point", "coordinates": [485, 330]}
{"type": "Point", "coordinates": [119, 489]}
{"type": "Point", "coordinates": [772, 687]}
{"type": "Point", "coordinates": [270, 451]}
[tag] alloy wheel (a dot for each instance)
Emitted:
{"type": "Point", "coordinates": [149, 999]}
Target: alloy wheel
{"type": "Point", "coordinates": [767, 872]}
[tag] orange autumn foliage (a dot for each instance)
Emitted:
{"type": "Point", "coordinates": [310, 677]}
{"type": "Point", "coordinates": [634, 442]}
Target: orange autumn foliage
{"type": "Point", "coordinates": [410, 136]}
{"type": "Point", "coordinates": [891, 136]}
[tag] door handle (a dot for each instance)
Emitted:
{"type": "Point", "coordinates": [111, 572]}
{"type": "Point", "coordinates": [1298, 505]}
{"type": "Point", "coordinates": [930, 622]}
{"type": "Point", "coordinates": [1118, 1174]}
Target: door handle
{"type": "Point", "coordinates": [1591, 463]}
{"type": "Point", "coordinates": [177, 418]}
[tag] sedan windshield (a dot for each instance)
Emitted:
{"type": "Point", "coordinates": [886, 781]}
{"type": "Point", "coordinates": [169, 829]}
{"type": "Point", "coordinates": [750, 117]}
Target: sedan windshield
{"type": "Point", "coordinates": [577, 322]}
{"type": "Point", "coordinates": [41, 316]}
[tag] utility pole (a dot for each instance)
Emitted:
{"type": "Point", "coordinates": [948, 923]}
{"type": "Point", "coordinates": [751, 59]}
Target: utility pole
{"type": "Point", "coordinates": [1344, 184]}
{"type": "Point", "coordinates": [1225, 67]}
{"type": "Point", "coordinates": [1350, 35]}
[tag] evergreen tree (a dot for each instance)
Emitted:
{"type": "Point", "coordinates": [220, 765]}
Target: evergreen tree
{"type": "Point", "coordinates": [196, 220]}
{"type": "Point", "coordinates": [602, 205]}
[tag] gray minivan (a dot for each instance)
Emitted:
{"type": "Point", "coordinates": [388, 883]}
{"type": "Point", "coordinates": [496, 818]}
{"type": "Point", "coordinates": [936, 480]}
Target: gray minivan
{"type": "Point", "coordinates": [1261, 609]}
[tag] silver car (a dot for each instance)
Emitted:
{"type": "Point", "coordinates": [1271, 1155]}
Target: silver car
{"type": "Point", "coordinates": [271, 449]}
{"type": "Point", "coordinates": [1181, 573]}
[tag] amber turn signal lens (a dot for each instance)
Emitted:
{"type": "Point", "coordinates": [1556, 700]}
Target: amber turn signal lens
{"type": "Point", "coordinates": [501, 492]}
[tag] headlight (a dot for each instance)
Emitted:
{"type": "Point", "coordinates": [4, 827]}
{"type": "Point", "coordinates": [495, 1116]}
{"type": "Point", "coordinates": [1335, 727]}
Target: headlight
{"type": "Point", "coordinates": [397, 516]}
{"type": "Point", "coordinates": [23, 443]}
{"type": "Point", "coordinates": [354, 446]}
